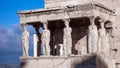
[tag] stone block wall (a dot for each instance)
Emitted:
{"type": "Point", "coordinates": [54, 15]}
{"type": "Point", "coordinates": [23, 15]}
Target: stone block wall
{"type": "Point", "coordinates": [58, 3]}
{"type": "Point", "coordinates": [117, 37]}
{"type": "Point", "coordinates": [78, 61]}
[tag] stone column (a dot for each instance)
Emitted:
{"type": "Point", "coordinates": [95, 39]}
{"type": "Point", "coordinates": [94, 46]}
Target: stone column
{"type": "Point", "coordinates": [25, 40]}
{"type": "Point", "coordinates": [37, 42]}
{"type": "Point", "coordinates": [45, 38]}
{"type": "Point", "coordinates": [92, 36]}
{"type": "Point", "coordinates": [67, 39]}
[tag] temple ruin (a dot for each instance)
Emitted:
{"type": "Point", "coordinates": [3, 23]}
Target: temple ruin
{"type": "Point", "coordinates": [76, 34]}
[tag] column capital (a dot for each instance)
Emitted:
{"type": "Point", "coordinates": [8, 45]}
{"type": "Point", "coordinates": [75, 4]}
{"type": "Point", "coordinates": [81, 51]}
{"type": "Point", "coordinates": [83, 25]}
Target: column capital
{"type": "Point", "coordinates": [45, 24]}
{"type": "Point", "coordinates": [23, 20]}
{"type": "Point", "coordinates": [24, 26]}
{"type": "Point", "coordinates": [102, 20]}
{"type": "Point", "coordinates": [92, 17]}
{"type": "Point", "coordinates": [44, 21]}
{"type": "Point", "coordinates": [92, 20]}
{"type": "Point", "coordinates": [66, 20]}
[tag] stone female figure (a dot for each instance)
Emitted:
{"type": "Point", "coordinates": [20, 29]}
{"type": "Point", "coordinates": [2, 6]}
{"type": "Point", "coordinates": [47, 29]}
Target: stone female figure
{"type": "Point", "coordinates": [46, 40]}
{"type": "Point", "coordinates": [103, 40]}
{"type": "Point", "coordinates": [67, 39]}
{"type": "Point", "coordinates": [92, 36]}
{"type": "Point", "coordinates": [25, 41]}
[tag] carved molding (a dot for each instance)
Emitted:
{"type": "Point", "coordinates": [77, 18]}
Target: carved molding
{"type": "Point", "coordinates": [86, 10]}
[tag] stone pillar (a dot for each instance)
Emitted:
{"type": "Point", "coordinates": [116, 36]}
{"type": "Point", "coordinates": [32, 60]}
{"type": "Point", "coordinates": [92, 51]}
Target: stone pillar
{"type": "Point", "coordinates": [67, 39]}
{"type": "Point", "coordinates": [25, 40]}
{"type": "Point", "coordinates": [92, 36]}
{"type": "Point", "coordinates": [37, 42]}
{"type": "Point", "coordinates": [45, 39]}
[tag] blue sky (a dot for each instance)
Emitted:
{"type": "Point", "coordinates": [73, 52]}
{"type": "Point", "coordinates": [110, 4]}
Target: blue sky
{"type": "Point", "coordinates": [10, 29]}
{"type": "Point", "coordinates": [9, 8]}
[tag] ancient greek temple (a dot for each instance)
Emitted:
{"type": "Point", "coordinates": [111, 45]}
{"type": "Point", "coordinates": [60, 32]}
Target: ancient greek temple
{"type": "Point", "coordinates": [76, 34]}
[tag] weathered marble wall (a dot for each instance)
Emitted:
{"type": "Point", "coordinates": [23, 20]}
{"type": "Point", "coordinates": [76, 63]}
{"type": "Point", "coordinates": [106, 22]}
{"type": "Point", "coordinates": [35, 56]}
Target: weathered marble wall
{"type": "Point", "coordinates": [117, 38]}
{"type": "Point", "coordinates": [86, 61]}
{"type": "Point", "coordinates": [58, 3]}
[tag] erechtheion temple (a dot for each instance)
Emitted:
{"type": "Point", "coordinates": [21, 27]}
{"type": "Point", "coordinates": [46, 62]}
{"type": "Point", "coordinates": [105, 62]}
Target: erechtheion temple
{"type": "Point", "coordinates": [76, 34]}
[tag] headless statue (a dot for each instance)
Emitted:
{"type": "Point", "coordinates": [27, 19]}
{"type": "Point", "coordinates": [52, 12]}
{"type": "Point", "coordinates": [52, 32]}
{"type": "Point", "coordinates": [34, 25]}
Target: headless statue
{"type": "Point", "coordinates": [80, 46]}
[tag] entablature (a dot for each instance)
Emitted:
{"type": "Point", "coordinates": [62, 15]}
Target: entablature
{"type": "Point", "coordinates": [71, 11]}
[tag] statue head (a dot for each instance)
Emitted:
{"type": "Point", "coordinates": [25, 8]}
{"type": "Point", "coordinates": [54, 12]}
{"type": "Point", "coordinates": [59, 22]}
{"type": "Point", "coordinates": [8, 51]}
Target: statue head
{"type": "Point", "coordinates": [45, 25]}
{"type": "Point", "coordinates": [24, 26]}
{"type": "Point", "coordinates": [66, 21]}
{"type": "Point", "coordinates": [102, 22]}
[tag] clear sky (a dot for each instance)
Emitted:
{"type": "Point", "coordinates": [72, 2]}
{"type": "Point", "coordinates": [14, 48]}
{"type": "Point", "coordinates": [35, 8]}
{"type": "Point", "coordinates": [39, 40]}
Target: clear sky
{"type": "Point", "coordinates": [9, 8]}
{"type": "Point", "coordinates": [10, 30]}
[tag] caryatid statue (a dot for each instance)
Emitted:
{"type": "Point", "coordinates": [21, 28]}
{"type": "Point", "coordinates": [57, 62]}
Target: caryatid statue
{"type": "Point", "coordinates": [102, 36]}
{"type": "Point", "coordinates": [67, 39]}
{"type": "Point", "coordinates": [25, 40]}
{"type": "Point", "coordinates": [45, 39]}
{"type": "Point", "coordinates": [92, 36]}
{"type": "Point", "coordinates": [103, 39]}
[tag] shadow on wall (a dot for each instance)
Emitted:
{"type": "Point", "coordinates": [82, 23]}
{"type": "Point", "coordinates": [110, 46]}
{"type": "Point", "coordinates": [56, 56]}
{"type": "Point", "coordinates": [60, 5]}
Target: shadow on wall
{"type": "Point", "coordinates": [91, 62]}
{"type": "Point", "coordinates": [23, 64]}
